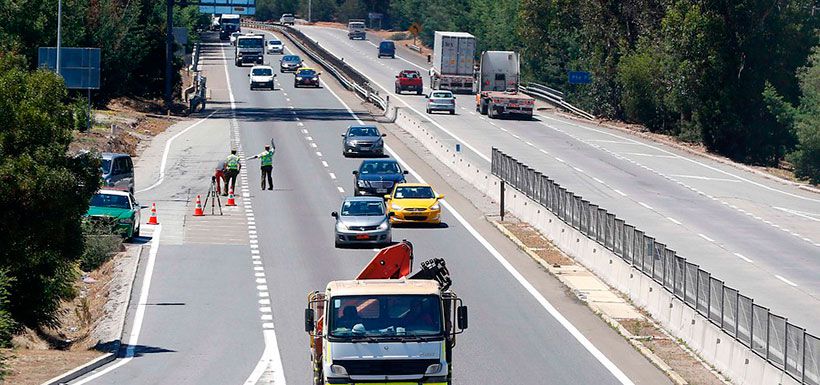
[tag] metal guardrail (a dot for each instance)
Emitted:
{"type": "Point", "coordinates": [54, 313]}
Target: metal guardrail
{"type": "Point", "coordinates": [555, 97]}
{"type": "Point", "coordinates": [347, 75]}
{"type": "Point", "coordinates": [772, 337]}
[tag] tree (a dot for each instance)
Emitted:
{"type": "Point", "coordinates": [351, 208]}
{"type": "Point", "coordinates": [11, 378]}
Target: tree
{"type": "Point", "coordinates": [806, 157]}
{"type": "Point", "coordinates": [43, 192]}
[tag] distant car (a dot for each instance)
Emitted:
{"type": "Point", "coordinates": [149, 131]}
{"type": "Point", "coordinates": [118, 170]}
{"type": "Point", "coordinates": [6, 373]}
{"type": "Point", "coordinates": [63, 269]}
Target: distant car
{"type": "Point", "coordinates": [275, 47]}
{"type": "Point", "coordinates": [306, 77]}
{"type": "Point", "coordinates": [362, 220]}
{"type": "Point", "coordinates": [117, 207]}
{"type": "Point", "coordinates": [414, 202]}
{"type": "Point", "coordinates": [290, 63]}
{"type": "Point", "coordinates": [409, 80]}
{"type": "Point", "coordinates": [261, 77]}
{"type": "Point", "coordinates": [234, 35]}
{"type": "Point", "coordinates": [360, 140]}
{"type": "Point", "coordinates": [117, 171]}
{"type": "Point", "coordinates": [387, 48]}
{"type": "Point", "coordinates": [441, 101]}
{"type": "Point", "coordinates": [377, 177]}
{"type": "Point", "coordinates": [287, 19]}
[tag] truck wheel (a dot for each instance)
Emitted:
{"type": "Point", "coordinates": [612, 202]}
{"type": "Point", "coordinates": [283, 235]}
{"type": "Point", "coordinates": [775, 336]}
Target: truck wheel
{"type": "Point", "coordinates": [398, 91]}
{"type": "Point", "coordinates": [483, 109]}
{"type": "Point", "coordinates": [418, 92]}
{"type": "Point", "coordinates": [491, 111]}
{"type": "Point", "coordinates": [452, 112]}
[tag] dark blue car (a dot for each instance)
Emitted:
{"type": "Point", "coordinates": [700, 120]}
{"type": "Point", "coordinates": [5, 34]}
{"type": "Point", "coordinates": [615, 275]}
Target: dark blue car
{"type": "Point", "coordinates": [387, 48]}
{"type": "Point", "coordinates": [377, 177]}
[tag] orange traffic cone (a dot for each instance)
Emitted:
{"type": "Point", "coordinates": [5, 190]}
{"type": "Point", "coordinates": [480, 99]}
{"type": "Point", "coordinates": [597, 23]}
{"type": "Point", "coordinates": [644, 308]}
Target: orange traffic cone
{"type": "Point", "coordinates": [198, 210]}
{"type": "Point", "coordinates": [153, 219]}
{"type": "Point", "coordinates": [231, 199]}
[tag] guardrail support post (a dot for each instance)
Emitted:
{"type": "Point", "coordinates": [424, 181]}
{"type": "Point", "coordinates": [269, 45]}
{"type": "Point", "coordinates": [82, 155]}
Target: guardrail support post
{"type": "Point", "coordinates": [502, 209]}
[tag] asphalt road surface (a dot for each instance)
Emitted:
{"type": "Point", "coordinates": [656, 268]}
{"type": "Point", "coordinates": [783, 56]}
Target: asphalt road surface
{"type": "Point", "coordinates": [758, 235]}
{"type": "Point", "coordinates": [225, 291]}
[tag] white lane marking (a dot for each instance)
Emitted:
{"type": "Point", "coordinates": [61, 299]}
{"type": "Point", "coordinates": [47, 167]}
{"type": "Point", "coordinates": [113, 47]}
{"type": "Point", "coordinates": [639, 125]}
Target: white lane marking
{"type": "Point", "coordinates": [609, 141]}
{"type": "Point", "coordinates": [619, 192]}
{"type": "Point", "coordinates": [313, 145]}
{"type": "Point", "coordinates": [559, 159]}
{"type": "Point", "coordinates": [705, 178]}
{"type": "Point", "coordinates": [705, 237]}
{"type": "Point", "coordinates": [741, 256]}
{"type": "Point", "coordinates": [598, 180]}
{"type": "Point", "coordinates": [341, 190]}
{"type": "Point", "coordinates": [300, 124]}
{"type": "Point", "coordinates": [332, 175]}
{"type": "Point", "coordinates": [309, 138]}
{"type": "Point", "coordinates": [265, 309]}
{"type": "Point", "coordinates": [512, 270]}
{"type": "Point", "coordinates": [790, 283]}
{"type": "Point", "coordinates": [673, 220]}
{"type": "Point", "coordinates": [325, 164]}
{"type": "Point", "coordinates": [801, 214]}
{"type": "Point", "coordinates": [168, 149]}
{"type": "Point", "coordinates": [651, 155]}
{"type": "Point", "coordinates": [304, 131]}
{"type": "Point", "coordinates": [133, 338]}
{"type": "Point", "coordinates": [319, 154]}
{"type": "Point", "coordinates": [264, 301]}
{"type": "Point", "coordinates": [645, 205]}
{"type": "Point", "coordinates": [578, 169]}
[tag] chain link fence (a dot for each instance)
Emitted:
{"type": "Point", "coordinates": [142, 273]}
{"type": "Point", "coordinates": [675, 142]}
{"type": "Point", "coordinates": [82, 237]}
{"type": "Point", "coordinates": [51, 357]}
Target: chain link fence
{"type": "Point", "coordinates": [786, 346]}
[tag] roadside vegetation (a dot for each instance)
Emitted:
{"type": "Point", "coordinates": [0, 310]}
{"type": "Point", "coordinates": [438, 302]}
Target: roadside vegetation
{"type": "Point", "coordinates": [734, 76]}
{"type": "Point", "coordinates": [44, 188]}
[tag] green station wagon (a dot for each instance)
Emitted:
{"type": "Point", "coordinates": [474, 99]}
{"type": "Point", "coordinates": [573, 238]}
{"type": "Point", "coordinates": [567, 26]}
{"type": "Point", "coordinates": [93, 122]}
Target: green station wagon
{"type": "Point", "coordinates": [119, 207]}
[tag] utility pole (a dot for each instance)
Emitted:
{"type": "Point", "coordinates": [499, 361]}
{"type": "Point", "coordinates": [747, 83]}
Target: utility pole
{"type": "Point", "coordinates": [59, 32]}
{"type": "Point", "coordinates": [310, 8]}
{"type": "Point", "coordinates": [169, 55]}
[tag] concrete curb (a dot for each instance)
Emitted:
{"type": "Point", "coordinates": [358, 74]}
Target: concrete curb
{"type": "Point", "coordinates": [106, 358]}
{"type": "Point", "coordinates": [657, 361]}
{"type": "Point", "coordinates": [686, 149]}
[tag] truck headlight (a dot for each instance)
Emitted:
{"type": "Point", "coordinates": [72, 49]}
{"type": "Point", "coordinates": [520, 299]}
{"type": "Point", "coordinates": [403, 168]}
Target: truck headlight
{"type": "Point", "coordinates": [340, 370]}
{"type": "Point", "coordinates": [432, 369]}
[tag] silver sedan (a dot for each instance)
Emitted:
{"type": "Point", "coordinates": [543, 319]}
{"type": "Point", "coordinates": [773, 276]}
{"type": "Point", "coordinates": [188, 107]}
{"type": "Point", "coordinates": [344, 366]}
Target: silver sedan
{"type": "Point", "coordinates": [362, 220]}
{"type": "Point", "coordinates": [441, 101]}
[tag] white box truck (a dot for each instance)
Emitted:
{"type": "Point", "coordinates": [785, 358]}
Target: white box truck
{"type": "Point", "coordinates": [498, 82]}
{"type": "Point", "coordinates": [453, 62]}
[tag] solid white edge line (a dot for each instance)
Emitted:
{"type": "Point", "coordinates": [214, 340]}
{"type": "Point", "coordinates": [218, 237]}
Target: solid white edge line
{"type": "Point", "coordinates": [790, 283]}
{"type": "Point", "coordinates": [133, 337]}
{"type": "Point", "coordinates": [741, 256]}
{"type": "Point", "coordinates": [611, 367]}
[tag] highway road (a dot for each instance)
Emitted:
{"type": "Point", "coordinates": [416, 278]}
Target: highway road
{"type": "Point", "coordinates": [221, 301]}
{"type": "Point", "coordinates": [757, 234]}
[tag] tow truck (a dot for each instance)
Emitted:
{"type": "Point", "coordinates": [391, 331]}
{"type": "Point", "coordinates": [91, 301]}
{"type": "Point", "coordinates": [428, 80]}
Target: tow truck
{"type": "Point", "coordinates": [386, 326]}
{"type": "Point", "coordinates": [498, 81]}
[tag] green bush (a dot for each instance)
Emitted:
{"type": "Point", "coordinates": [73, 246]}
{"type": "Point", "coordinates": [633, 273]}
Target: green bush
{"type": "Point", "coordinates": [399, 36]}
{"type": "Point", "coordinates": [100, 244]}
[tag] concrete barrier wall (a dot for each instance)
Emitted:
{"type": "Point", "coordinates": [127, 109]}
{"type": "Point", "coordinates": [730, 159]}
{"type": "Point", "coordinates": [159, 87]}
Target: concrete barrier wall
{"type": "Point", "coordinates": [724, 353]}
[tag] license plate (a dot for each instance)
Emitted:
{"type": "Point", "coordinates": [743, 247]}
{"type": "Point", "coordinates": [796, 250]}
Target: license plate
{"type": "Point", "coordinates": [513, 106]}
{"type": "Point", "coordinates": [362, 236]}
{"type": "Point", "coordinates": [381, 190]}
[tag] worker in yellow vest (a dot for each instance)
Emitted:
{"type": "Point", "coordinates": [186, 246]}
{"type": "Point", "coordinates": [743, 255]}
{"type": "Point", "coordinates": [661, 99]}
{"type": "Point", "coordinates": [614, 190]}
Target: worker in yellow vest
{"type": "Point", "coordinates": [232, 167]}
{"type": "Point", "coordinates": [266, 162]}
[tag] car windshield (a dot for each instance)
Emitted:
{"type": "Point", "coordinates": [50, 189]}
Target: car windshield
{"type": "Point", "coordinates": [291, 58]}
{"type": "Point", "coordinates": [110, 200]}
{"type": "Point", "coordinates": [386, 316]}
{"type": "Point", "coordinates": [106, 166]}
{"type": "Point", "coordinates": [363, 131]}
{"type": "Point", "coordinates": [415, 192]}
{"type": "Point", "coordinates": [262, 72]}
{"type": "Point", "coordinates": [307, 73]}
{"type": "Point", "coordinates": [445, 95]}
{"type": "Point", "coordinates": [363, 208]}
{"type": "Point", "coordinates": [274, 42]}
{"type": "Point", "coordinates": [380, 168]}
{"type": "Point", "coordinates": [250, 43]}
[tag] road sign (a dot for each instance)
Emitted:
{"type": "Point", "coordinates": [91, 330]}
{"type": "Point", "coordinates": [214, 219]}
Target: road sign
{"type": "Point", "coordinates": [579, 77]}
{"type": "Point", "coordinates": [79, 67]}
{"type": "Point", "coordinates": [219, 7]}
{"type": "Point", "coordinates": [415, 29]}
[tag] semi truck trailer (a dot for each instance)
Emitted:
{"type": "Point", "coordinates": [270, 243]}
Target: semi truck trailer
{"type": "Point", "coordinates": [499, 76]}
{"type": "Point", "coordinates": [453, 62]}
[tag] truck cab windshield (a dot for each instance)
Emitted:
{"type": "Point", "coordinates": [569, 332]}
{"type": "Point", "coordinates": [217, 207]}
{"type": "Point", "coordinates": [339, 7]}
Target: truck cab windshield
{"type": "Point", "coordinates": [385, 316]}
{"type": "Point", "coordinates": [250, 43]}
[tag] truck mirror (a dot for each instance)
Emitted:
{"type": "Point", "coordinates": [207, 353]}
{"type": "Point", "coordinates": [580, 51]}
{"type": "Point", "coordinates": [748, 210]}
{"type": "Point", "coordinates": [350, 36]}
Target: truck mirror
{"type": "Point", "coordinates": [405, 172]}
{"type": "Point", "coordinates": [462, 317]}
{"type": "Point", "coordinates": [355, 172]}
{"type": "Point", "coordinates": [384, 135]}
{"type": "Point", "coordinates": [309, 320]}
{"type": "Point", "coordinates": [334, 214]}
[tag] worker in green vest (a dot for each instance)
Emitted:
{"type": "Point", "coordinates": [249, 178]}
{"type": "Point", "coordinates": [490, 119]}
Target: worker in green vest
{"type": "Point", "coordinates": [266, 161]}
{"type": "Point", "coordinates": [232, 167]}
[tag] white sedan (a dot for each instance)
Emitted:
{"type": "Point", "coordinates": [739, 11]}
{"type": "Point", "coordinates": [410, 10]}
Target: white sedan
{"type": "Point", "coordinates": [261, 77]}
{"type": "Point", "coordinates": [274, 47]}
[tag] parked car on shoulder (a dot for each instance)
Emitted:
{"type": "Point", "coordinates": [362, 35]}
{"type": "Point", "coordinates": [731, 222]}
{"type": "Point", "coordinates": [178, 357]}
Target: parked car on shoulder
{"type": "Point", "coordinates": [117, 171]}
{"type": "Point", "coordinates": [409, 80]}
{"type": "Point", "coordinates": [377, 177]}
{"type": "Point", "coordinates": [361, 140]}
{"type": "Point", "coordinates": [275, 46]}
{"type": "Point", "coordinates": [387, 48]}
{"type": "Point", "coordinates": [362, 220]}
{"type": "Point", "coordinates": [290, 63]}
{"type": "Point", "coordinates": [441, 101]}
{"type": "Point", "coordinates": [118, 208]}
{"type": "Point", "coordinates": [261, 77]}
{"type": "Point", "coordinates": [306, 77]}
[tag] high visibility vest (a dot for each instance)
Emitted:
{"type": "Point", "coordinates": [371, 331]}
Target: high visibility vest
{"type": "Point", "coordinates": [232, 162]}
{"type": "Point", "coordinates": [266, 158]}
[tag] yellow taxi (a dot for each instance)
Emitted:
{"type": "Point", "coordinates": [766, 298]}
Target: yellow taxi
{"type": "Point", "coordinates": [414, 203]}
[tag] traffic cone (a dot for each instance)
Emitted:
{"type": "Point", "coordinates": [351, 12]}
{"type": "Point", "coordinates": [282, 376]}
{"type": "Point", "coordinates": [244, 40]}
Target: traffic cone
{"type": "Point", "coordinates": [198, 210]}
{"type": "Point", "coordinates": [231, 199]}
{"type": "Point", "coordinates": [153, 219]}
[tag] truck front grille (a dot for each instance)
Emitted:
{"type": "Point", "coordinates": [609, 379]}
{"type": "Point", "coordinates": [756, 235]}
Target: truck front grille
{"type": "Point", "coordinates": [385, 367]}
